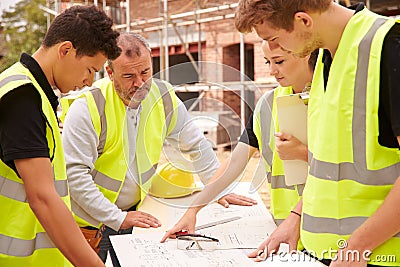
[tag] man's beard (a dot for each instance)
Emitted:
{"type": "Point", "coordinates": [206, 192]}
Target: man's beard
{"type": "Point", "coordinates": [139, 94]}
{"type": "Point", "coordinates": [138, 99]}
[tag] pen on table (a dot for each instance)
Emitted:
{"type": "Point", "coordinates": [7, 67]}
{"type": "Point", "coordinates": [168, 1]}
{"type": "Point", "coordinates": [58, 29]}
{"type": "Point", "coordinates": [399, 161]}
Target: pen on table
{"type": "Point", "coordinates": [182, 232]}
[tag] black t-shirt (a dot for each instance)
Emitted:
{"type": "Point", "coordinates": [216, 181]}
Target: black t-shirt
{"type": "Point", "coordinates": [248, 136]}
{"type": "Point", "coordinates": [22, 121]}
{"type": "Point", "coordinates": [389, 94]}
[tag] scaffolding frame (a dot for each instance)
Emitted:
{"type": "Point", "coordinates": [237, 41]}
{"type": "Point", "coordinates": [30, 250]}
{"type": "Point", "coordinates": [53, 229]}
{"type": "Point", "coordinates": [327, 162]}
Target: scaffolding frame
{"type": "Point", "coordinates": [164, 21]}
{"type": "Point", "coordinates": [182, 19]}
{"type": "Point", "coordinates": [197, 17]}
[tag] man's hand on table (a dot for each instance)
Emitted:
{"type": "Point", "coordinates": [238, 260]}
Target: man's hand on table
{"type": "Point", "coordinates": [288, 232]}
{"type": "Point", "coordinates": [140, 219]}
{"type": "Point", "coordinates": [185, 224]}
{"type": "Point", "coordinates": [235, 199]}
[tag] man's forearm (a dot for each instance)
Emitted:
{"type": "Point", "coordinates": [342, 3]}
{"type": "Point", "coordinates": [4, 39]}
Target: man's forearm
{"type": "Point", "coordinates": [52, 212]}
{"type": "Point", "coordinates": [80, 146]}
{"type": "Point", "coordinates": [226, 174]}
{"type": "Point", "coordinates": [62, 229]}
{"type": "Point", "coordinates": [299, 206]}
{"type": "Point", "coordinates": [87, 196]}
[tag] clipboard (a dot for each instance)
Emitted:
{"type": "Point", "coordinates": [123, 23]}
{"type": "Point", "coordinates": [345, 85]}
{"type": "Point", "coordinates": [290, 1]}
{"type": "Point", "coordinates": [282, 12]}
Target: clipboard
{"type": "Point", "coordinates": [292, 118]}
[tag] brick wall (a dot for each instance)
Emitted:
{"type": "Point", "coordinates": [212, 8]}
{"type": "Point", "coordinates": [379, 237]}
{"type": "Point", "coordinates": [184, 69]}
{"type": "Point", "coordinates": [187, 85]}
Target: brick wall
{"type": "Point", "coordinates": [218, 35]}
{"type": "Point", "coordinates": [221, 48]}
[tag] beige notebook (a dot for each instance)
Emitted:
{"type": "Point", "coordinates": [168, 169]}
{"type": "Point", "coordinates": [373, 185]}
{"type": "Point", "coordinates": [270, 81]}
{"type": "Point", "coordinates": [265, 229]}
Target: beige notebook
{"type": "Point", "coordinates": [292, 118]}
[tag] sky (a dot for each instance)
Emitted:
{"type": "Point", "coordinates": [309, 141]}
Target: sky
{"type": "Point", "coordinates": [6, 4]}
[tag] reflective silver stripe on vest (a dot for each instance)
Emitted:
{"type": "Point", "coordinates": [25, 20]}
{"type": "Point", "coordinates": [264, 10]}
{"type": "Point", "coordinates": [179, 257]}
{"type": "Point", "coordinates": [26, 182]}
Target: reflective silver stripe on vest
{"type": "Point", "coordinates": [358, 171]}
{"type": "Point", "coordinates": [16, 191]}
{"type": "Point", "coordinates": [100, 104]}
{"type": "Point", "coordinates": [265, 120]}
{"type": "Point", "coordinates": [102, 179]}
{"type": "Point", "coordinates": [105, 181]}
{"type": "Point", "coordinates": [351, 171]}
{"type": "Point", "coordinates": [14, 78]}
{"type": "Point", "coordinates": [345, 226]}
{"type": "Point", "coordinates": [23, 248]}
{"type": "Point", "coordinates": [278, 181]}
{"type": "Point", "coordinates": [148, 174]}
{"type": "Point", "coordinates": [300, 189]}
{"type": "Point", "coordinates": [278, 221]}
{"type": "Point", "coordinates": [167, 101]}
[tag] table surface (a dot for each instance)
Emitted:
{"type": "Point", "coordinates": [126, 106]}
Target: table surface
{"type": "Point", "coordinates": [142, 248]}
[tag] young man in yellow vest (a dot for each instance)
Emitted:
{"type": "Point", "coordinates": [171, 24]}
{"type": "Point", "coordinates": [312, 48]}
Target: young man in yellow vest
{"type": "Point", "coordinates": [350, 201]}
{"type": "Point", "coordinates": [36, 224]}
{"type": "Point", "coordinates": [114, 137]}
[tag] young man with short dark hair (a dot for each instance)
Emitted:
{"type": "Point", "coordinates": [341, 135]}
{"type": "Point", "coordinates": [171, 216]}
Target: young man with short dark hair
{"type": "Point", "coordinates": [36, 225]}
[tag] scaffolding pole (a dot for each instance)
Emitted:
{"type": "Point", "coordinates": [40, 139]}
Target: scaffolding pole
{"type": "Point", "coordinates": [128, 16]}
{"type": "Point", "coordinates": [161, 41]}
{"type": "Point", "coordinates": [47, 14]}
{"type": "Point", "coordinates": [166, 53]}
{"type": "Point", "coordinates": [57, 6]}
{"type": "Point", "coordinates": [368, 4]}
{"type": "Point", "coordinates": [199, 52]}
{"type": "Point", "coordinates": [242, 87]}
{"type": "Point", "coordinates": [177, 18]}
{"type": "Point", "coordinates": [187, 52]}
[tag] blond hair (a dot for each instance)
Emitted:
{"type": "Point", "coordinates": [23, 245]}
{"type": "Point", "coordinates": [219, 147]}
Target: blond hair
{"type": "Point", "coordinates": [278, 13]}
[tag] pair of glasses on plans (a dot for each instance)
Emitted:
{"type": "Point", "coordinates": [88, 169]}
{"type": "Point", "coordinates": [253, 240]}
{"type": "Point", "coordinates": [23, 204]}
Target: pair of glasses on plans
{"type": "Point", "coordinates": [196, 242]}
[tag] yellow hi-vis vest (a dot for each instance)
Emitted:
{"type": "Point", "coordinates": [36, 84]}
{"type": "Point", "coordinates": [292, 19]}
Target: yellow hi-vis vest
{"type": "Point", "coordinates": [350, 172]}
{"type": "Point", "coordinates": [23, 241]}
{"type": "Point", "coordinates": [265, 123]}
{"type": "Point", "coordinates": [108, 112]}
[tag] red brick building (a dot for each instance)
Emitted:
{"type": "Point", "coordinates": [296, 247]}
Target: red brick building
{"type": "Point", "coordinates": [204, 48]}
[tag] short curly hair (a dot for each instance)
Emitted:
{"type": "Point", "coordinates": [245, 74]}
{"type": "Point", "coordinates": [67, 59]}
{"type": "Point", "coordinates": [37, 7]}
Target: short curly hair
{"type": "Point", "coordinates": [88, 28]}
{"type": "Point", "coordinates": [278, 13]}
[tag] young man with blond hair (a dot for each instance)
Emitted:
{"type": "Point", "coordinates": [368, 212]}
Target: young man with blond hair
{"type": "Point", "coordinates": [350, 201]}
